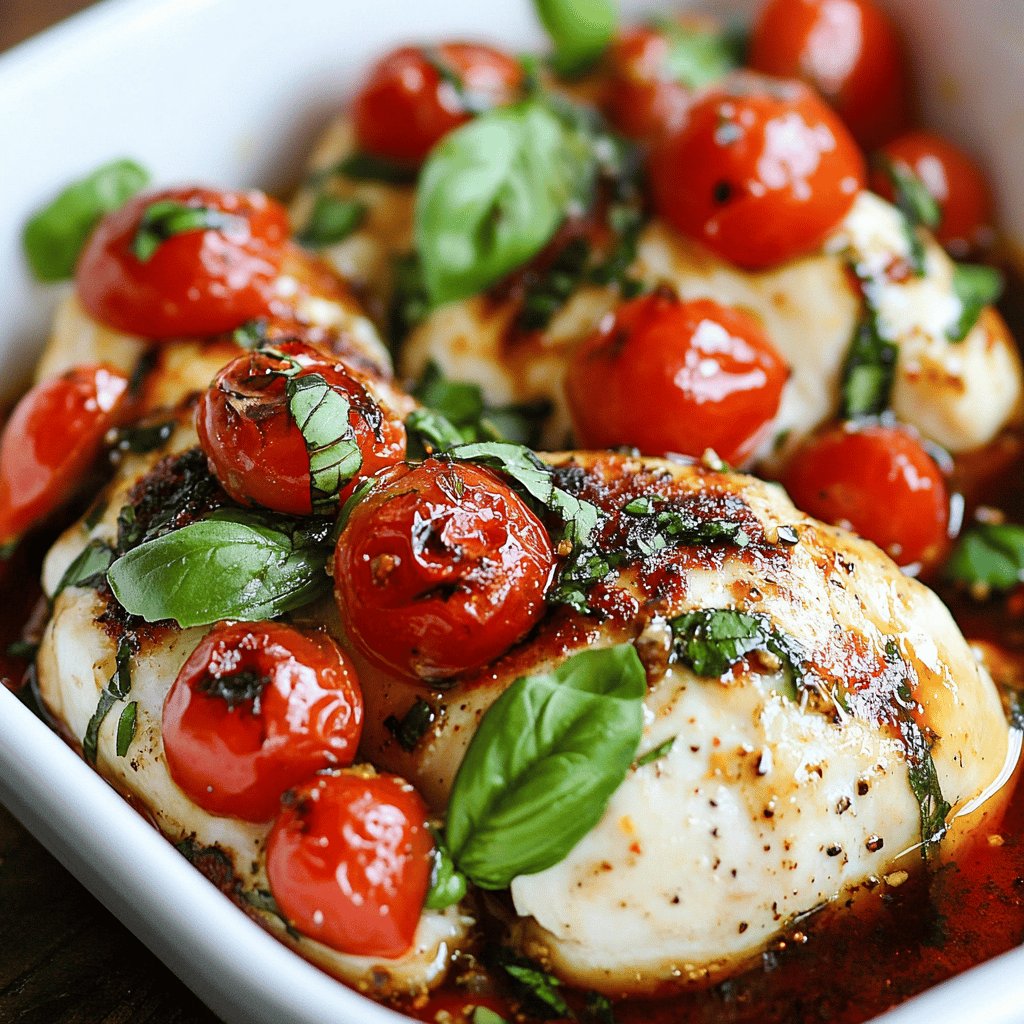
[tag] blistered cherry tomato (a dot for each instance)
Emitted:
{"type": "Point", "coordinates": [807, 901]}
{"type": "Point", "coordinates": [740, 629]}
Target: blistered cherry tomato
{"type": "Point", "coordinates": [256, 709]}
{"type": "Point", "coordinates": [848, 51]}
{"type": "Point", "coordinates": [52, 437]}
{"type": "Point", "coordinates": [644, 99]}
{"type": "Point", "coordinates": [669, 376]}
{"type": "Point", "coordinates": [878, 481]}
{"type": "Point", "coordinates": [955, 181]}
{"type": "Point", "coordinates": [761, 172]}
{"type": "Point", "coordinates": [440, 569]}
{"type": "Point", "coordinates": [194, 282]}
{"type": "Point", "coordinates": [414, 96]}
{"type": "Point", "coordinates": [253, 443]}
{"type": "Point", "coordinates": [349, 860]}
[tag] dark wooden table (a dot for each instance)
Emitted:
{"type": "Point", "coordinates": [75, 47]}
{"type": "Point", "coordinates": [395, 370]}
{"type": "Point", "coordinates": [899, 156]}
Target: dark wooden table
{"type": "Point", "coordinates": [63, 958]}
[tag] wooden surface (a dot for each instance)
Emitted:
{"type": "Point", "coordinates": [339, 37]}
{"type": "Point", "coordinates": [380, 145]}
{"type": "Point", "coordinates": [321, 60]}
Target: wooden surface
{"type": "Point", "coordinates": [63, 958]}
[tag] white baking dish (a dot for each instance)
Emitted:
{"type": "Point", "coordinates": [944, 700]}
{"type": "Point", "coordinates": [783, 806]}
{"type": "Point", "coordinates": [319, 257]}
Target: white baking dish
{"type": "Point", "coordinates": [232, 92]}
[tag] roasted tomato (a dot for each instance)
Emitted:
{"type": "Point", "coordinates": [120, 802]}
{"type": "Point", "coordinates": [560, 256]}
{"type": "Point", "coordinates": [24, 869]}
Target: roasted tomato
{"type": "Point", "coordinates": [878, 481]}
{"type": "Point", "coordinates": [848, 51]}
{"type": "Point", "coordinates": [183, 263]}
{"type": "Point", "coordinates": [761, 172]}
{"type": "Point", "coordinates": [54, 434]}
{"type": "Point", "coordinates": [414, 96]}
{"type": "Point", "coordinates": [256, 448]}
{"type": "Point", "coordinates": [255, 710]}
{"type": "Point", "coordinates": [954, 180]}
{"type": "Point", "coordinates": [349, 860]}
{"type": "Point", "coordinates": [440, 569]}
{"type": "Point", "coordinates": [671, 376]}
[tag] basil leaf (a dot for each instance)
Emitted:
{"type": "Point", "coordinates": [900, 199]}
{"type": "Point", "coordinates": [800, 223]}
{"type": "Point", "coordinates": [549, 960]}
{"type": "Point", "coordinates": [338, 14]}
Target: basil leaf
{"type": "Point", "coordinates": [924, 783]}
{"type": "Point", "coordinates": [54, 237]}
{"type": "Point", "coordinates": [411, 727]}
{"type": "Point", "coordinates": [599, 1009]}
{"type": "Point", "coordinates": [913, 199]}
{"type": "Point", "coordinates": [539, 989]}
{"type": "Point", "coordinates": [868, 371]}
{"type": "Point", "coordinates": [515, 461]}
{"type": "Point", "coordinates": [989, 556]}
{"type": "Point", "coordinates": [660, 751]}
{"type": "Point", "coordinates": [366, 167]}
{"type": "Point", "coordinates": [232, 565]}
{"type": "Point", "coordinates": [697, 57]}
{"type": "Point", "coordinates": [126, 726]}
{"type": "Point", "coordinates": [550, 292]}
{"type": "Point", "coordinates": [447, 883]}
{"type": "Point", "coordinates": [543, 764]}
{"type": "Point", "coordinates": [580, 32]}
{"type": "Point", "coordinates": [322, 416]}
{"type": "Point", "coordinates": [88, 568]}
{"type": "Point", "coordinates": [672, 527]}
{"type": "Point", "coordinates": [493, 193]}
{"type": "Point", "coordinates": [711, 641]}
{"type": "Point", "coordinates": [118, 687]}
{"type": "Point", "coordinates": [410, 302]}
{"type": "Point", "coordinates": [483, 1015]}
{"type": "Point", "coordinates": [331, 221]}
{"type": "Point", "coordinates": [976, 287]}
{"type": "Point", "coordinates": [23, 650]}
{"type": "Point", "coordinates": [167, 217]}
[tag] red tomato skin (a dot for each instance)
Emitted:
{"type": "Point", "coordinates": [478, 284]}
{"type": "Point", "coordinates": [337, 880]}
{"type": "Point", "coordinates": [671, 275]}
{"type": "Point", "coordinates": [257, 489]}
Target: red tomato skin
{"type": "Point", "coordinates": [405, 108]}
{"type": "Point", "coordinates": [237, 761]}
{"type": "Point", "coordinates": [643, 101]}
{"type": "Point", "coordinates": [848, 51]}
{"type": "Point", "coordinates": [255, 448]}
{"type": "Point", "coordinates": [349, 860]}
{"type": "Point", "coordinates": [440, 570]}
{"type": "Point", "coordinates": [956, 182]}
{"type": "Point", "coordinates": [197, 283]}
{"type": "Point", "coordinates": [708, 376]}
{"type": "Point", "coordinates": [52, 437]}
{"type": "Point", "coordinates": [880, 482]}
{"type": "Point", "coordinates": [761, 172]}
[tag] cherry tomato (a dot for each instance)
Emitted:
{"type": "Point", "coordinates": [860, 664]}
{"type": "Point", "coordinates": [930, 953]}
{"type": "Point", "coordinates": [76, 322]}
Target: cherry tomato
{"type": "Point", "coordinates": [644, 99]}
{"type": "Point", "coordinates": [670, 376]}
{"type": "Point", "coordinates": [440, 569]}
{"type": "Point", "coordinates": [848, 50]}
{"type": "Point", "coordinates": [255, 710]}
{"type": "Point", "coordinates": [52, 437]}
{"type": "Point", "coordinates": [878, 481]}
{"type": "Point", "coordinates": [414, 97]}
{"type": "Point", "coordinates": [253, 443]}
{"type": "Point", "coordinates": [955, 181]}
{"type": "Point", "coordinates": [349, 860]}
{"type": "Point", "coordinates": [196, 282]}
{"type": "Point", "coordinates": [761, 172]}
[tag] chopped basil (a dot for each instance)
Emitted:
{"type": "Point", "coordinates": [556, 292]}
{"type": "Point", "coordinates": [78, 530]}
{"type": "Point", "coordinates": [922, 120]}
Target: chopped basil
{"type": "Point", "coordinates": [88, 569]}
{"type": "Point", "coordinates": [543, 764]}
{"type": "Point", "coordinates": [263, 900]}
{"type": "Point", "coordinates": [537, 988]}
{"type": "Point", "coordinates": [251, 335]}
{"type": "Point", "coordinates": [599, 1009]}
{"type": "Point", "coordinates": [167, 217]}
{"type": "Point", "coordinates": [924, 783]}
{"type": "Point", "coordinates": [322, 416]}
{"type": "Point", "coordinates": [469, 100]}
{"type": "Point", "coordinates": [410, 302]}
{"type": "Point", "coordinates": [989, 556]}
{"type": "Point", "coordinates": [698, 56]}
{"type": "Point", "coordinates": [447, 883]}
{"type": "Point", "coordinates": [580, 32]}
{"type": "Point", "coordinates": [492, 194]}
{"type": "Point", "coordinates": [868, 371]}
{"type": "Point", "coordinates": [331, 221]}
{"type": "Point", "coordinates": [25, 650]}
{"type": "Point", "coordinates": [550, 292]}
{"type": "Point", "coordinates": [435, 433]}
{"type": "Point", "coordinates": [126, 726]}
{"type": "Point", "coordinates": [660, 751]}
{"type": "Point", "coordinates": [117, 689]}
{"type": "Point", "coordinates": [232, 565]}
{"type": "Point", "coordinates": [712, 640]}
{"type": "Point", "coordinates": [918, 206]}
{"type": "Point", "coordinates": [976, 287]}
{"type": "Point", "coordinates": [483, 1015]}
{"type": "Point", "coordinates": [366, 167]}
{"type": "Point", "coordinates": [142, 439]}
{"type": "Point", "coordinates": [671, 527]}
{"type": "Point", "coordinates": [54, 237]}
{"type": "Point", "coordinates": [411, 727]}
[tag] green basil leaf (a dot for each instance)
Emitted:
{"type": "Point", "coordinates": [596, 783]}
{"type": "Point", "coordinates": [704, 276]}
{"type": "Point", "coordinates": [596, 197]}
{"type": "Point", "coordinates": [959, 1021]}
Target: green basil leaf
{"type": "Point", "coordinates": [411, 727]}
{"type": "Point", "coordinates": [697, 57]}
{"type": "Point", "coordinates": [410, 302]}
{"type": "Point", "coordinates": [366, 167]}
{"type": "Point", "coordinates": [483, 1015]}
{"type": "Point", "coordinates": [88, 568]}
{"type": "Point", "coordinates": [322, 416]}
{"type": "Point", "coordinates": [54, 237]}
{"type": "Point", "coordinates": [331, 221]}
{"type": "Point", "coordinates": [660, 751]}
{"type": "Point", "coordinates": [515, 461]}
{"type": "Point", "coordinates": [447, 883]}
{"type": "Point", "coordinates": [23, 650]}
{"type": "Point", "coordinates": [599, 1009]}
{"type": "Point", "coordinates": [126, 726]}
{"type": "Point", "coordinates": [711, 641]}
{"type": "Point", "coordinates": [543, 764]}
{"type": "Point", "coordinates": [118, 687]}
{"type": "Point", "coordinates": [539, 990]}
{"type": "Point", "coordinates": [913, 199]}
{"type": "Point", "coordinates": [989, 556]}
{"type": "Point", "coordinates": [493, 193]}
{"type": "Point", "coordinates": [580, 32]}
{"type": "Point", "coordinates": [868, 372]}
{"type": "Point", "coordinates": [232, 565]}
{"type": "Point", "coordinates": [976, 287]}
{"type": "Point", "coordinates": [167, 217]}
